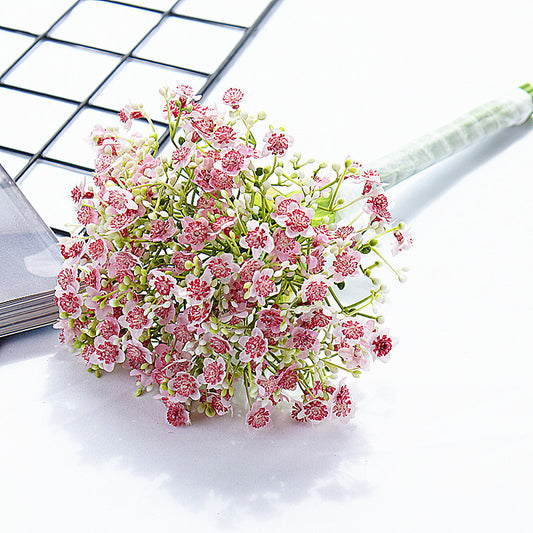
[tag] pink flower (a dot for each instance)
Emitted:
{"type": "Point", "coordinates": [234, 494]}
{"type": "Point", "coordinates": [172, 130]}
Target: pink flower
{"type": "Point", "coordinates": [135, 318]}
{"type": "Point", "coordinates": [381, 345]}
{"type": "Point", "coordinates": [224, 135]}
{"type": "Point", "coordinates": [214, 372]}
{"type": "Point", "coordinates": [221, 181]}
{"type": "Point", "coordinates": [257, 238]}
{"type": "Point", "coordinates": [270, 321]}
{"type": "Point", "coordinates": [87, 215]}
{"type": "Point", "coordinates": [316, 261]}
{"type": "Point", "coordinates": [315, 288]}
{"type": "Point", "coordinates": [305, 340]}
{"type": "Point", "coordinates": [129, 113]}
{"type": "Point", "coordinates": [184, 386]}
{"type": "Point", "coordinates": [146, 167]}
{"type": "Point", "coordinates": [195, 233]}
{"type": "Point", "coordinates": [259, 416]}
{"type": "Point", "coordinates": [109, 329]}
{"type": "Point", "coordinates": [98, 250]}
{"type": "Point", "coordinates": [179, 259]}
{"type": "Point", "coordinates": [219, 345]}
{"type": "Point", "coordinates": [72, 248]}
{"type": "Point", "coordinates": [319, 317]}
{"type": "Point", "coordinates": [288, 378]}
{"type": "Point", "coordinates": [197, 290]}
{"type": "Point", "coordinates": [323, 235]}
{"type": "Point", "coordinates": [218, 403]}
{"type": "Point", "coordinates": [162, 230]}
{"type": "Point", "coordinates": [403, 241]}
{"type": "Point", "coordinates": [377, 205]}
{"type": "Point", "coordinates": [263, 285]}
{"type": "Point", "coordinates": [283, 204]}
{"type": "Point", "coordinates": [70, 302]}
{"type": "Point", "coordinates": [177, 414]}
{"type": "Point", "coordinates": [184, 94]}
{"type": "Point", "coordinates": [108, 354]}
{"type": "Point", "coordinates": [350, 331]}
{"type": "Point", "coordinates": [267, 387]}
{"type": "Point", "coordinates": [254, 347]}
{"type": "Point", "coordinates": [123, 220]}
{"type": "Point", "coordinates": [276, 143]}
{"type": "Point", "coordinates": [197, 314]}
{"type": "Point", "coordinates": [165, 313]}
{"type": "Point", "coordinates": [345, 264]}
{"type": "Point", "coordinates": [119, 200]}
{"type": "Point", "coordinates": [92, 278]}
{"type": "Point", "coordinates": [235, 159]}
{"type": "Point", "coordinates": [203, 173]}
{"type": "Point", "coordinates": [356, 355]}
{"type": "Point", "coordinates": [181, 329]}
{"type": "Point", "coordinates": [249, 268]}
{"type": "Point", "coordinates": [136, 353]}
{"type": "Point", "coordinates": [222, 267]}
{"type": "Point", "coordinates": [315, 410]}
{"type": "Point", "coordinates": [285, 246]}
{"type": "Point", "coordinates": [297, 221]}
{"type": "Point", "coordinates": [121, 263]}
{"type": "Point", "coordinates": [181, 156]}
{"type": "Point", "coordinates": [223, 224]}
{"type": "Point", "coordinates": [233, 97]}
{"type": "Point", "coordinates": [342, 405]}
{"type": "Point", "coordinates": [163, 284]}
{"type": "Point", "coordinates": [67, 279]}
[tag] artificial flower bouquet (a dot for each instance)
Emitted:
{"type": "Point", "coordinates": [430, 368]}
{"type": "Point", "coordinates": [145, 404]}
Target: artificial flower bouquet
{"type": "Point", "coordinates": [223, 264]}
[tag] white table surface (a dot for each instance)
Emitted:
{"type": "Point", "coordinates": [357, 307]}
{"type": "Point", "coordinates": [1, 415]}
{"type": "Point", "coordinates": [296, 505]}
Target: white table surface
{"type": "Point", "coordinates": [442, 440]}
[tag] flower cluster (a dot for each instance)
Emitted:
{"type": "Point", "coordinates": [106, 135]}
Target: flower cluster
{"type": "Point", "coordinates": [223, 263]}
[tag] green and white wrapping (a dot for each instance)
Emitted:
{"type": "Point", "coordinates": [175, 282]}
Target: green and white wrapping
{"type": "Point", "coordinates": [512, 109]}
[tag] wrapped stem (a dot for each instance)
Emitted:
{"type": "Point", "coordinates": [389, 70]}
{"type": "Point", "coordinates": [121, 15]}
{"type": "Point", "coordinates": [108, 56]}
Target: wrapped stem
{"type": "Point", "coordinates": [511, 110]}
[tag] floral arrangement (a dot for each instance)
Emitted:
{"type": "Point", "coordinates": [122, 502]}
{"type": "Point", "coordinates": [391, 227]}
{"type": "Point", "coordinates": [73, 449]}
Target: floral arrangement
{"type": "Point", "coordinates": [224, 263]}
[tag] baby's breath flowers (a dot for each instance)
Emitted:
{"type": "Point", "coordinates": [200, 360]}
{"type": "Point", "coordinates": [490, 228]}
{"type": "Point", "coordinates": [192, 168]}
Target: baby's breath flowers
{"type": "Point", "coordinates": [224, 262]}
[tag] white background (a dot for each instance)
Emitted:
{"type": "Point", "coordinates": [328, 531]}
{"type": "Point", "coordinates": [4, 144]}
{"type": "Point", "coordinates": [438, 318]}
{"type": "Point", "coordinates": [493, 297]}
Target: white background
{"type": "Point", "coordinates": [443, 434]}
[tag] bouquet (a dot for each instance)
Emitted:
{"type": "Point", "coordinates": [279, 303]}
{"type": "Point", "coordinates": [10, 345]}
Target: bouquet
{"type": "Point", "coordinates": [223, 264]}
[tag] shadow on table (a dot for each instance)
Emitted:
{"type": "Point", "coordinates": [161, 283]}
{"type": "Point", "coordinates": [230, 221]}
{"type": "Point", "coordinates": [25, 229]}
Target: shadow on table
{"type": "Point", "coordinates": [216, 463]}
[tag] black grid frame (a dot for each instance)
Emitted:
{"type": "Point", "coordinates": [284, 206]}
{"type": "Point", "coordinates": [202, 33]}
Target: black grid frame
{"type": "Point", "coordinates": [79, 105]}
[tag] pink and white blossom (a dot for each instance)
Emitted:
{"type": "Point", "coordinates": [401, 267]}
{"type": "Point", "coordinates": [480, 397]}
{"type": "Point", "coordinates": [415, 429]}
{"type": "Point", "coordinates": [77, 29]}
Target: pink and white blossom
{"type": "Point", "coordinates": [257, 239]}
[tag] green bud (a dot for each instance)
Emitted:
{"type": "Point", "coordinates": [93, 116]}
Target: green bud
{"type": "Point", "coordinates": [139, 391]}
{"type": "Point", "coordinates": [209, 411]}
{"type": "Point", "coordinates": [373, 242]}
{"type": "Point", "coordinates": [366, 250]}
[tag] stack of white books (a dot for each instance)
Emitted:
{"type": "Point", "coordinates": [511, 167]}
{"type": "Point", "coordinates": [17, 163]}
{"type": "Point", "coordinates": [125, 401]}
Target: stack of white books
{"type": "Point", "coordinates": [30, 260]}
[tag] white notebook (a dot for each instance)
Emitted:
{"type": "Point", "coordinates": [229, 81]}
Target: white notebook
{"type": "Point", "coordinates": [29, 263]}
